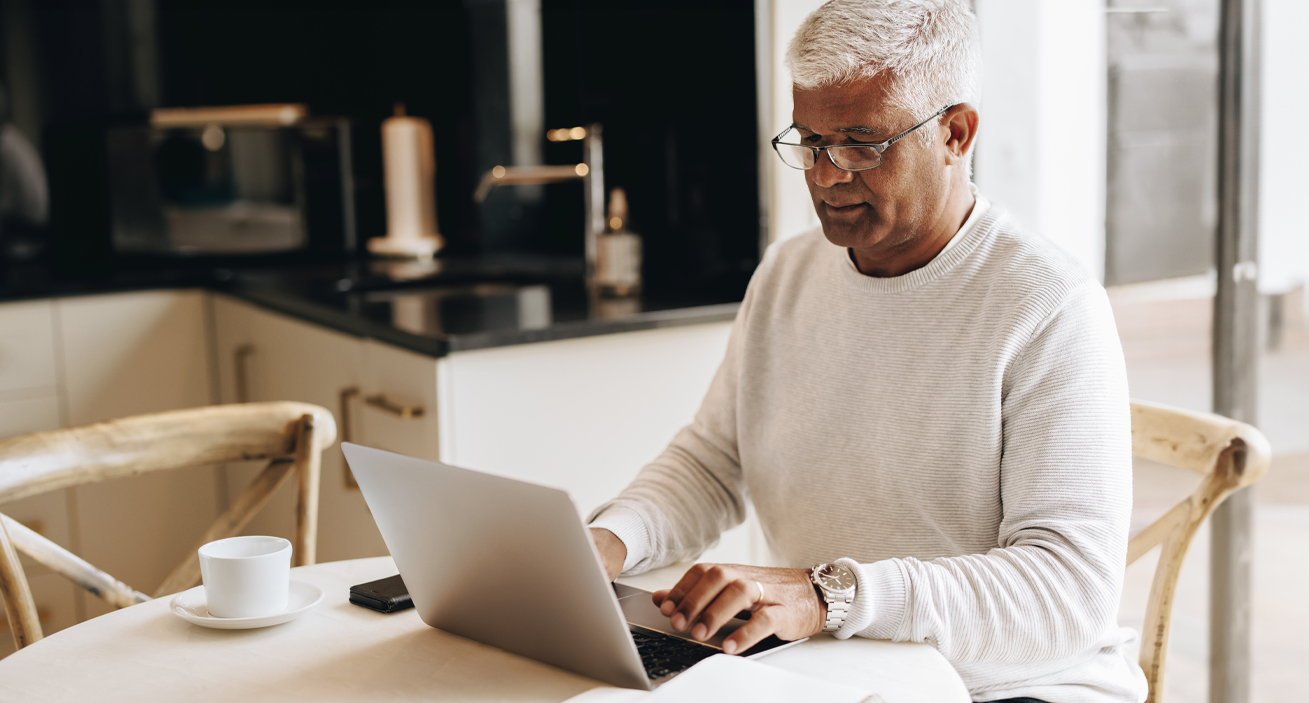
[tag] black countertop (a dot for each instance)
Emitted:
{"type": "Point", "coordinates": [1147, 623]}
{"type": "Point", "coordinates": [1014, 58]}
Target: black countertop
{"type": "Point", "coordinates": [433, 308]}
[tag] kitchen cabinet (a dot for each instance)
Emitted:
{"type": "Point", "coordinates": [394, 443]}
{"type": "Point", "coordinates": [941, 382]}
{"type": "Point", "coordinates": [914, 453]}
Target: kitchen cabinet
{"type": "Point", "coordinates": [267, 356]}
{"type": "Point", "coordinates": [27, 350]}
{"type": "Point", "coordinates": [399, 383]}
{"type": "Point", "coordinates": [29, 385]}
{"type": "Point", "coordinates": [133, 353]}
{"type": "Point", "coordinates": [29, 402]}
{"type": "Point", "coordinates": [77, 360]}
{"type": "Point", "coordinates": [581, 414]}
{"type": "Point", "coordinates": [57, 603]}
{"type": "Point", "coordinates": [127, 354]}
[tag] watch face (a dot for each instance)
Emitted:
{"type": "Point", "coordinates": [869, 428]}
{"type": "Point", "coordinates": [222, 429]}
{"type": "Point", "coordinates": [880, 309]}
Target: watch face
{"type": "Point", "coordinates": [835, 578]}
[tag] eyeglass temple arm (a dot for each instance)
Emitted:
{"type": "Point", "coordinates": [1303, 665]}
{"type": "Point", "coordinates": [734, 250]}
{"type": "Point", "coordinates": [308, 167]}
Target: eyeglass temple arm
{"type": "Point", "coordinates": [905, 133]}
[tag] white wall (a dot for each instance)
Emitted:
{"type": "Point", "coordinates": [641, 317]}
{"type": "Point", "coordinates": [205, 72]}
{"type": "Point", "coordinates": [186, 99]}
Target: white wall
{"type": "Point", "coordinates": [790, 211]}
{"type": "Point", "coordinates": [584, 414]}
{"type": "Point", "coordinates": [1041, 144]}
{"type": "Point", "coordinates": [1284, 154]}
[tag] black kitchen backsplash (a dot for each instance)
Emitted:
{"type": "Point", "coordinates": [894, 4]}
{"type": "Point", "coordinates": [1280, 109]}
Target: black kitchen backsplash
{"type": "Point", "coordinates": [673, 83]}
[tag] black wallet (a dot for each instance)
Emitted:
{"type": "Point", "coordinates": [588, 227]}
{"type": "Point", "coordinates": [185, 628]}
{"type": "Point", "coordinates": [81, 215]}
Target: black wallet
{"type": "Point", "coordinates": [383, 595]}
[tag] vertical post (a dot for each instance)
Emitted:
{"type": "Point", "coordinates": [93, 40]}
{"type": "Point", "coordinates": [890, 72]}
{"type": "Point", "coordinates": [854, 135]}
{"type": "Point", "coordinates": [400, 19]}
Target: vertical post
{"type": "Point", "coordinates": [24, 622]}
{"type": "Point", "coordinates": [526, 88]}
{"type": "Point", "coordinates": [1235, 341]}
{"type": "Point", "coordinates": [593, 183]}
{"type": "Point", "coordinates": [308, 476]}
{"type": "Point", "coordinates": [763, 66]}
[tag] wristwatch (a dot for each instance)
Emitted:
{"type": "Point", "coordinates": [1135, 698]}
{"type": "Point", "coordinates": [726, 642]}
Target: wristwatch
{"type": "Point", "coordinates": [836, 585]}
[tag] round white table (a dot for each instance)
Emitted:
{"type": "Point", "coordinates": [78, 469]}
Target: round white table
{"type": "Point", "coordinates": [342, 652]}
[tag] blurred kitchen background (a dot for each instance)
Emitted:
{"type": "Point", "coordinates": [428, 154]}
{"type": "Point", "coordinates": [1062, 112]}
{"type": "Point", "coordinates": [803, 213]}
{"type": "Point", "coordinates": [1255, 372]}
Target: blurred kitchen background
{"type": "Point", "coordinates": [1099, 130]}
{"type": "Point", "coordinates": [492, 77]}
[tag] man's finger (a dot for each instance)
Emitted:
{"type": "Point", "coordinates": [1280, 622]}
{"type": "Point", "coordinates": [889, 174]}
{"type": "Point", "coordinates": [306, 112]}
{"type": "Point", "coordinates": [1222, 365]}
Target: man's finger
{"type": "Point", "coordinates": [711, 583]}
{"type": "Point", "coordinates": [759, 626]}
{"type": "Point", "coordinates": [673, 596]}
{"type": "Point", "coordinates": [735, 597]}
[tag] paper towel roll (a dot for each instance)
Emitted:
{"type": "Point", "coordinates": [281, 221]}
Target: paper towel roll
{"type": "Point", "coordinates": [410, 178]}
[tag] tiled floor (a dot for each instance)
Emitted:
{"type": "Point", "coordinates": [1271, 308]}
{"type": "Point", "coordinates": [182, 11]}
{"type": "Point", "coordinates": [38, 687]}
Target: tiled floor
{"type": "Point", "coordinates": [1166, 343]}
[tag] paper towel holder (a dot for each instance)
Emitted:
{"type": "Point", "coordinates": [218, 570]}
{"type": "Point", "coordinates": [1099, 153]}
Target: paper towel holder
{"type": "Point", "coordinates": [409, 170]}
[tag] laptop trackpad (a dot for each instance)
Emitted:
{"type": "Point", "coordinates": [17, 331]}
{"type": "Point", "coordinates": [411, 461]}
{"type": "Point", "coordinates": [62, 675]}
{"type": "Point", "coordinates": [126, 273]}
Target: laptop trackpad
{"type": "Point", "coordinates": [639, 610]}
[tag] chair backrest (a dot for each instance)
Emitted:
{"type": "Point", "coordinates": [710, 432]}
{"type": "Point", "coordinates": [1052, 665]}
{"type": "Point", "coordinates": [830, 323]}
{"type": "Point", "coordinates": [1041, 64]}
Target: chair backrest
{"type": "Point", "coordinates": [1228, 455]}
{"type": "Point", "coordinates": [289, 436]}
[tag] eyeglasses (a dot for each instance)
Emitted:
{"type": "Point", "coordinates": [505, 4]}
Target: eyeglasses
{"type": "Point", "coordinates": [847, 157]}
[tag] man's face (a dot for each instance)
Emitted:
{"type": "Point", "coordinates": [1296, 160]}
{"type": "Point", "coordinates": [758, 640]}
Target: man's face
{"type": "Point", "coordinates": [886, 208]}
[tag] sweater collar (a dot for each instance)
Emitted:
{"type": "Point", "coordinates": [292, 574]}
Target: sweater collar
{"type": "Point", "coordinates": [980, 223]}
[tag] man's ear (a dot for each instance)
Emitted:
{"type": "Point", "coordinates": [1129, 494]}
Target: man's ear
{"type": "Point", "coordinates": [960, 123]}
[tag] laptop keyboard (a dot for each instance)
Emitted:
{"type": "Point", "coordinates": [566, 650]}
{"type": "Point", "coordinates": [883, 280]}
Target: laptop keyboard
{"type": "Point", "coordinates": [663, 655]}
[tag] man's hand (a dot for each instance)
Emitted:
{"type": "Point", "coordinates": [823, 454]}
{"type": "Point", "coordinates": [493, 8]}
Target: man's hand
{"type": "Point", "coordinates": [782, 602]}
{"type": "Point", "coordinates": [612, 551]}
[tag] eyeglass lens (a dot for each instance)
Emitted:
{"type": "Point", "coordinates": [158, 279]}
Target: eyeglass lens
{"type": "Point", "coordinates": [848, 157]}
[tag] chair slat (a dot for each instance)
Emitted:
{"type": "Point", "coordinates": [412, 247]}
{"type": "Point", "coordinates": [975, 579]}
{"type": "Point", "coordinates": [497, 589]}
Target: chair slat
{"type": "Point", "coordinates": [1157, 531]}
{"type": "Point", "coordinates": [19, 607]}
{"type": "Point", "coordinates": [1182, 438]}
{"type": "Point", "coordinates": [47, 461]}
{"type": "Point", "coordinates": [187, 573]}
{"type": "Point", "coordinates": [309, 462]}
{"type": "Point", "coordinates": [1229, 455]}
{"type": "Point", "coordinates": [58, 559]}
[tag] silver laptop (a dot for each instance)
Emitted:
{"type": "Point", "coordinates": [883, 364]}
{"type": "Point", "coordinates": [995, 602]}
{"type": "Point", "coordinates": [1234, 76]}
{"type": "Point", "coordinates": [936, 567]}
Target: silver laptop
{"type": "Point", "coordinates": [509, 563]}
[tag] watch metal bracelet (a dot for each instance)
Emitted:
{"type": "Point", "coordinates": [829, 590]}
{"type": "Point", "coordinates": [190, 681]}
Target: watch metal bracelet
{"type": "Point", "coordinates": [836, 612]}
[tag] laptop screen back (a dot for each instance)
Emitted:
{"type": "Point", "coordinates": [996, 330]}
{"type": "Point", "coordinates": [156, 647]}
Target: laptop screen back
{"type": "Point", "coordinates": [500, 561]}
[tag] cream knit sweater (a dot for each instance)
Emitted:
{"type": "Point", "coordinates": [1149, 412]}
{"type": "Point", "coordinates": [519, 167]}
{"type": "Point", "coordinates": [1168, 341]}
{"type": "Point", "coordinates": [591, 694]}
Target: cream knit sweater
{"type": "Point", "coordinates": [960, 432]}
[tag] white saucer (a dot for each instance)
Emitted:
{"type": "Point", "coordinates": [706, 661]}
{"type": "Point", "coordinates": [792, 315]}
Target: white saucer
{"type": "Point", "coordinates": [190, 606]}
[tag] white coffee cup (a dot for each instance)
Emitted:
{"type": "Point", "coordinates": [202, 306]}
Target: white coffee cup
{"type": "Point", "coordinates": [246, 577]}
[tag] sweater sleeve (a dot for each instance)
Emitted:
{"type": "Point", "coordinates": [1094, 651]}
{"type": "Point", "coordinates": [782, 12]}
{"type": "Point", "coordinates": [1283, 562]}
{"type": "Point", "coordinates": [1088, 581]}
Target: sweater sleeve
{"type": "Point", "coordinates": [1050, 587]}
{"type": "Point", "coordinates": [679, 504]}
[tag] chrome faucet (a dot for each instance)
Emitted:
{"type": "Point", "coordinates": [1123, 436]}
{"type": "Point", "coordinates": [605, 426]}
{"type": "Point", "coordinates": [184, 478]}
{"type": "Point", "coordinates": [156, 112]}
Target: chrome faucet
{"type": "Point", "coordinates": [590, 171]}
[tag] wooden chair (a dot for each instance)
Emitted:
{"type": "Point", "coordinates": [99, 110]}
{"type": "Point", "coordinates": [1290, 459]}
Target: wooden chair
{"type": "Point", "coordinates": [291, 436]}
{"type": "Point", "coordinates": [1228, 455]}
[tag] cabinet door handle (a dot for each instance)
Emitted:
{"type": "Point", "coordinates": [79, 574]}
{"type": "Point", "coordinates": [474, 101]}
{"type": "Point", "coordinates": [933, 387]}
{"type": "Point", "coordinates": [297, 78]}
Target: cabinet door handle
{"type": "Point", "coordinates": [241, 358]}
{"type": "Point", "coordinates": [402, 410]}
{"type": "Point", "coordinates": [343, 411]}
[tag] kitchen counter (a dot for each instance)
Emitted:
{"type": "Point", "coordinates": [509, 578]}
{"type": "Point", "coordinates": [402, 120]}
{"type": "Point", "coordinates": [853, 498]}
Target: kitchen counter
{"type": "Point", "coordinates": [433, 308]}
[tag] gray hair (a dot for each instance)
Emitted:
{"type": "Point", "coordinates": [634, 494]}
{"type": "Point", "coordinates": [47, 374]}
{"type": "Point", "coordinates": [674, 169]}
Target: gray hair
{"type": "Point", "coordinates": [928, 47]}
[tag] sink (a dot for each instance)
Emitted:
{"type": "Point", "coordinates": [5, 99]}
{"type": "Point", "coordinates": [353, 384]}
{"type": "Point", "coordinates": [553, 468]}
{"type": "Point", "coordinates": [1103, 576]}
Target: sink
{"type": "Point", "coordinates": [462, 309]}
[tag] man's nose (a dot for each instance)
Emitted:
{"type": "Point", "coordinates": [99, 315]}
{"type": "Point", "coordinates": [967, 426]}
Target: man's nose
{"type": "Point", "coordinates": [825, 172]}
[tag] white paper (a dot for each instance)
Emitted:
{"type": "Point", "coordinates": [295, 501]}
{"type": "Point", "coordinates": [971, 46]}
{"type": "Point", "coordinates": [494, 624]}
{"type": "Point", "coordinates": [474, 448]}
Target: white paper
{"type": "Point", "coordinates": [726, 678]}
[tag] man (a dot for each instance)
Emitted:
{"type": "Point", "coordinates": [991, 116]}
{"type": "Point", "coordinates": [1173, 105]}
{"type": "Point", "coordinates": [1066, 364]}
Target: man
{"type": "Point", "coordinates": [923, 403]}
